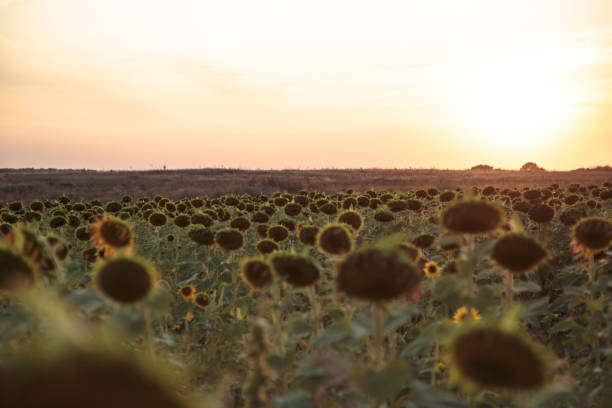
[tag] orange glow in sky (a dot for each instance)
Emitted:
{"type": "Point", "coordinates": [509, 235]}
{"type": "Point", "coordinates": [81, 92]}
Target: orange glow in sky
{"type": "Point", "coordinates": [285, 84]}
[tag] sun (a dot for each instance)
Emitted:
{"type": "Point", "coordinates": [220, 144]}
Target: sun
{"type": "Point", "coordinates": [519, 102]}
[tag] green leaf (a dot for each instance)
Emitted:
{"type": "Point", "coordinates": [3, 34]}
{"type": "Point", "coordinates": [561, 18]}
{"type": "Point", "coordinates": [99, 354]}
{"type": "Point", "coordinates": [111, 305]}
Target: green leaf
{"type": "Point", "coordinates": [563, 325]}
{"type": "Point", "coordinates": [574, 291]}
{"type": "Point", "coordinates": [293, 399]}
{"type": "Point", "coordinates": [386, 383]}
{"type": "Point", "coordinates": [337, 332]}
{"type": "Point", "coordinates": [525, 287]}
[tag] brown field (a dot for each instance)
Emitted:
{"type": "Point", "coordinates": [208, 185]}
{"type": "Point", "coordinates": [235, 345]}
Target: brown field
{"type": "Point", "coordinates": [108, 185]}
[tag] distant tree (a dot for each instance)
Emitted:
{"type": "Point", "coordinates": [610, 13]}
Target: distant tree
{"type": "Point", "coordinates": [531, 166]}
{"type": "Point", "coordinates": [482, 167]}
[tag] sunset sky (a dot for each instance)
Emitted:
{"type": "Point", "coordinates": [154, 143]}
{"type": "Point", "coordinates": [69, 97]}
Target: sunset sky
{"type": "Point", "coordinates": [305, 84]}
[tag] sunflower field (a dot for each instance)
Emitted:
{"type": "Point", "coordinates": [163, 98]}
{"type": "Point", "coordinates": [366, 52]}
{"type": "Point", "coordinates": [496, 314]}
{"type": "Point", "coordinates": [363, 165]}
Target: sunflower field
{"type": "Point", "coordinates": [476, 297]}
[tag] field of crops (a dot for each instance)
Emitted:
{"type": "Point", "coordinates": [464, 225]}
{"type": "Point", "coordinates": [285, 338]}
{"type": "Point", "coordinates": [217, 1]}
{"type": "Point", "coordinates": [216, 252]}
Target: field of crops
{"type": "Point", "coordinates": [477, 297]}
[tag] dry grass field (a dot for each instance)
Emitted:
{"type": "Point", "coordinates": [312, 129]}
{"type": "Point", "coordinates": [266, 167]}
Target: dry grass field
{"type": "Point", "coordinates": [109, 185]}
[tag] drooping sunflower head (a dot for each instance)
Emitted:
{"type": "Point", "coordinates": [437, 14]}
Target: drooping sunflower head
{"type": "Point", "coordinates": [307, 234]}
{"type": "Point", "coordinates": [541, 213]}
{"type": "Point", "coordinates": [518, 253]}
{"type": "Point", "coordinates": [592, 234]}
{"type": "Point", "coordinates": [488, 356]}
{"type": "Point", "coordinates": [378, 274]}
{"type": "Point", "coordinates": [472, 217]}
{"type": "Point", "coordinates": [112, 234]}
{"type": "Point", "coordinates": [16, 271]}
{"type": "Point", "coordinates": [202, 299]}
{"type": "Point", "coordinates": [124, 278]}
{"type": "Point", "coordinates": [267, 246]}
{"type": "Point", "coordinates": [229, 239]}
{"type": "Point", "coordinates": [335, 239]}
{"type": "Point", "coordinates": [256, 272]}
{"type": "Point", "coordinates": [201, 235]}
{"type": "Point", "coordinates": [423, 241]}
{"type": "Point", "coordinates": [158, 219]}
{"type": "Point", "coordinates": [182, 220]}
{"type": "Point", "coordinates": [77, 376]}
{"type": "Point", "coordinates": [296, 270]}
{"type": "Point", "coordinates": [278, 233]}
{"type": "Point", "coordinates": [351, 218]}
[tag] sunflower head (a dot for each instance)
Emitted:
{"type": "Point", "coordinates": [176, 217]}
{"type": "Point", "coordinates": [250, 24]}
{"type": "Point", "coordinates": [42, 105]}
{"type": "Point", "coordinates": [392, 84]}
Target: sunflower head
{"type": "Point", "coordinates": [296, 270]}
{"type": "Point", "coordinates": [187, 292]}
{"type": "Point", "coordinates": [267, 246]}
{"type": "Point", "coordinates": [423, 241]}
{"type": "Point", "coordinates": [278, 233]}
{"type": "Point", "coordinates": [158, 219]}
{"type": "Point", "coordinates": [182, 220]}
{"type": "Point", "coordinates": [351, 218]}
{"type": "Point", "coordinates": [201, 235]}
{"type": "Point", "coordinates": [460, 314]}
{"type": "Point", "coordinates": [124, 278]}
{"type": "Point", "coordinates": [112, 235]}
{"type": "Point", "coordinates": [592, 234]}
{"type": "Point", "coordinates": [472, 217]}
{"type": "Point", "coordinates": [378, 274]}
{"type": "Point", "coordinates": [16, 271]}
{"type": "Point", "coordinates": [431, 270]}
{"type": "Point", "coordinates": [307, 234]}
{"type": "Point", "coordinates": [488, 356]}
{"type": "Point", "coordinates": [541, 213]}
{"type": "Point", "coordinates": [256, 272]}
{"type": "Point", "coordinates": [81, 376]}
{"type": "Point", "coordinates": [229, 239]}
{"type": "Point", "coordinates": [518, 253]}
{"type": "Point", "coordinates": [335, 239]}
{"type": "Point", "coordinates": [201, 299]}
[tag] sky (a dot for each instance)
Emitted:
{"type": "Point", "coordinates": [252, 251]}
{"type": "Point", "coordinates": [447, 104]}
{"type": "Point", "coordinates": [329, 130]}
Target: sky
{"type": "Point", "coordinates": [139, 84]}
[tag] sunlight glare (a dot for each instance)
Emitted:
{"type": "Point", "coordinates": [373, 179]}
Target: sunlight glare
{"type": "Point", "coordinates": [519, 101]}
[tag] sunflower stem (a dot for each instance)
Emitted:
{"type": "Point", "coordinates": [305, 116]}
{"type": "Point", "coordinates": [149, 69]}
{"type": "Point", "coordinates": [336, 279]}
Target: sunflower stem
{"type": "Point", "coordinates": [314, 307]}
{"type": "Point", "coordinates": [277, 319]}
{"type": "Point", "coordinates": [146, 312]}
{"type": "Point", "coordinates": [378, 349]}
{"type": "Point", "coordinates": [433, 370]}
{"type": "Point", "coordinates": [509, 295]}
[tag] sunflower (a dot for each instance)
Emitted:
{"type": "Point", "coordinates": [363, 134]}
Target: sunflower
{"type": "Point", "coordinates": [16, 272]}
{"type": "Point", "coordinates": [278, 233]}
{"type": "Point", "coordinates": [201, 235]}
{"type": "Point", "coordinates": [187, 292]}
{"type": "Point", "coordinates": [256, 272]}
{"type": "Point", "coordinates": [462, 313]}
{"type": "Point", "coordinates": [297, 270]}
{"type": "Point", "coordinates": [351, 218]}
{"type": "Point", "coordinates": [335, 239]}
{"type": "Point", "coordinates": [592, 234]}
{"type": "Point", "coordinates": [111, 234]}
{"type": "Point", "coordinates": [488, 356]}
{"type": "Point", "coordinates": [432, 270]}
{"type": "Point", "coordinates": [158, 219]}
{"type": "Point", "coordinates": [201, 299]}
{"type": "Point", "coordinates": [267, 246]}
{"type": "Point", "coordinates": [85, 377]}
{"type": "Point", "coordinates": [518, 253]}
{"type": "Point", "coordinates": [472, 217]}
{"type": "Point", "coordinates": [124, 279]}
{"type": "Point", "coordinates": [229, 239]}
{"type": "Point", "coordinates": [378, 274]}
{"type": "Point", "coordinates": [307, 234]}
